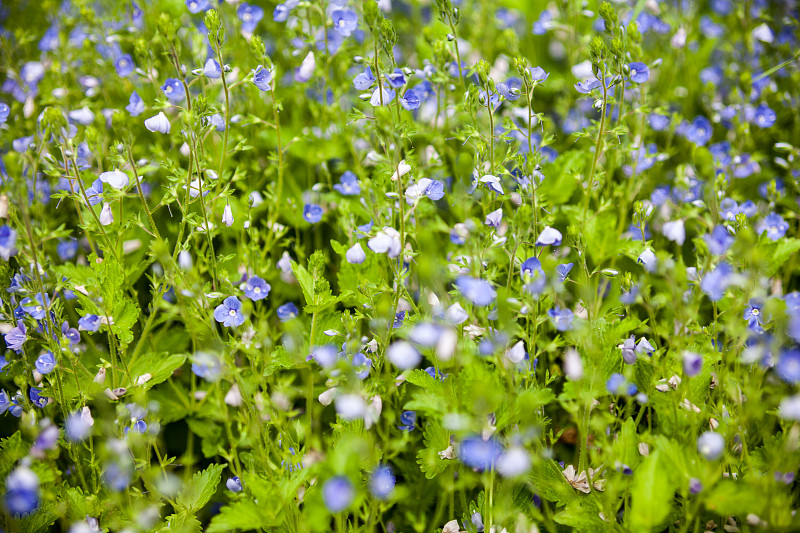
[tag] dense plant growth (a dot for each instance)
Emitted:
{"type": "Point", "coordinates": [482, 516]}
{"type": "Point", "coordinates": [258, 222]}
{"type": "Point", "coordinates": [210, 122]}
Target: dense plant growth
{"type": "Point", "coordinates": [399, 265]}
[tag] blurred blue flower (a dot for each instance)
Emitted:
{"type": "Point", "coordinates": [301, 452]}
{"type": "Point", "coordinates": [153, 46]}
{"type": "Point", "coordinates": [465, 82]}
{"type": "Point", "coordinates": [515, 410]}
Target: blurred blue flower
{"type": "Point", "coordinates": [250, 16]}
{"type": "Point", "coordinates": [348, 184]}
{"type": "Point", "coordinates": [478, 291]}
{"type": "Point", "coordinates": [561, 318]}
{"type": "Point", "coordinates": [717, 281]}
{"type": "Point", "coordinates": [312, 213]}
{"type": "Point", "coordinates": [287, 311]}
{"type": "Point", "coordinates": [45, 363]}
{"type": "Point", "coordinates": [173, 90]}
{"type": "Point", "coordinates": [338, 494]}
{"type": "Point", "coordinates": [382, 482]}
{"type": "Point", "coordinates": [480, 454]}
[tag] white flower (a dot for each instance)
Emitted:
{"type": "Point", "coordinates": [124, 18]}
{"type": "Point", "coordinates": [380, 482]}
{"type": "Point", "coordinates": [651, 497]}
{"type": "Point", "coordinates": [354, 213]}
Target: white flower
{"type": "Point", "coordinates": [115, 178]}
{"type": "Point", "coordinates": [386, 241]}
{"type": "Point", "coordinates": [648, 259]}
{"type": "Point", "coordinates": [227, 215]}
{"type": "Point", "coordinates": [379, 97]}
{"type": "Point", "coordinates": [516, 353]}
{"type": "Point", "coordinates": [355, 255]}
{"type": "Point", "coordinates": [82, 116]}
{"type": "Point", "coordinates": [158, 123]}
{"type": "Point", "coordinates": [514, 462]}
{"type": "Point", "coordinates": [306, 69]}
{"type": "Point", "coordinates": [106, 216]}
{"type": "Point", "coordinates": [549, 236]}
{"type": "Point", "coordinates": [573, 365]}
{"type": "Point", "coordinates": [674, 231]}
{"type": "Point", "coordinates": [403, 355]}
{"type": "Point", "coordinates": [456, 314]}
{"type": "Point", "coordinates": [350, 406]}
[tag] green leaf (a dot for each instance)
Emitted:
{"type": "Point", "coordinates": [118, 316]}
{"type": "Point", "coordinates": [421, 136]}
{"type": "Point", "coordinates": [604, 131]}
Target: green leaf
{"type": "Point", "coordinates": [652, 493]}
{"type": "Point", "coordinates": [242, 514]}
{"type": "Point", "coordinates": [12, 450]}
{"type": "Point", "coordinates": [306, 282]}
{"type": "Point", "coordinates": [436, 439]}
{"type": "Point", "coordinates": [200, 489]}
{"type": "Point", "coordinates": [548, 481]}
{"type": "Point", "coordinates": [159, 365]}
{"type": "Point", "coordinates": [782, 252]}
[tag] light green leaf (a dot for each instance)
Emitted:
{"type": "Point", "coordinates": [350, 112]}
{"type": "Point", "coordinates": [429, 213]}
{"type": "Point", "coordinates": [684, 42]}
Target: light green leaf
{"type": "Point", "coordinates": [652, 493]}
{"type": "Point", "coordinates": [200, 489]}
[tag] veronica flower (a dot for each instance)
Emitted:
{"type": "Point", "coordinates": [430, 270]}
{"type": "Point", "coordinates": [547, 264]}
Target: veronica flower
{"type": "Point", "coordinates": [262, 78]}
{"type": "Point", "coordinates": [788, 366]}
{"type": "Point", "coordinates": [212, 69]}
{"type": "Point", "coordinates": [22, 491]}
{"type": "Point", "coordinates": [348, 184]}
{"type": "Point", "coordinates": [711, 445]}
{"type": "Point", "coordinates": [173, 90]}
{"type": "Point", "coordinates": [256, 288]}
{"type": "Point", "coordinates": [345, 21]}
{"type": "Point", "coordinates": [227, 215]}
{"type": "Point", "coordinates": [764, 116]}
{"type": "Point", "coordinates": [287, 311]}
{"type": "Point", "coordinates": [116, 178]}
{"type": "Point", "coordinates": [561, 318]}
{"type": "Point", "coordinates": [480, 454]}
{"type": "Point", "coordinates": [89, 323]}
{"type": "Point", "coordinates": [106, 215]}
{"type": "Point", "coordinates": [719, 240]}
{"type": "Point", "coordinates": [381, 96]}
{"type": "Point", "coordinates": [82, 116]}
{"type": "Point", "coordinates": [549, 237]}
{"type": "Point", "coordinates": [45, 363]}
{"type": "Point", "coordinates": [648, 259]}
{"type": "Point", "coordinates": [234, 484]}
{"type": "Point", "coordinates": [16, 336]}
{"type": "Point", "coordinates": [338, 494]}
{"type": "Point", "coordinates": [562, 271]}
{"type": "Point", "coordinates": [494, 218]}
{"type": "Point", "coordinates": [410, 100]}
{"type": "Point", "coordinates": [533, 276]}
{"type": "Point", "coordinates": [717, 281]}
{"type": "Point", "coordinates": [493, 183]}
{"type": "Point", "coordinates": [387, 241]}
{"type": "Point", "coordinates": [250, 16]}
{"type": "Point", "coordinates": [135, 105]}
{"type": "Point", "coordinates": [403, 355]}
{"type": "Point", "coordinates": [196, 6]}
{"type": "Point", "coordinates": [78, 425]}
{"type": "Point", "coordinates": [478, 291]}
{"type": "Point", "coordinates": [124, 65]}
{"type": "Point", "coordinates": [774, 226]}
{"type": "Point", "coordinates": [36, 307]}
{"type": "Point", "coordinates": [312, 213]}
{"type": "Point", "coordinates": [207, 366]}
{"type": "Point", "coordinates": [364, 80]}
{"type": "Point", "coordinates": [628, 348]}
{"type": "Point", "coordinates": [382, 482]}
{"type": "Point", "coordinates": [355, 255]}
{"type": "Point", "coordinates": [4, 112]}
{"type": "Point", "coordinates": [306, 69]}
{"type": "Point", "coordinates": [158, 123]}
{"type": "Point", "coordinates": [8, 241]}
{"type": "Point", "coordinates": [619, 386]}
{"type": "Point", "coordinates": [510, 90]}
{"type": "Point", "coordinates": [229, 312]}
{"type": "Point", "coordinates": [692, 363]}
{"type": "Point", "coordinates": [640, 73]}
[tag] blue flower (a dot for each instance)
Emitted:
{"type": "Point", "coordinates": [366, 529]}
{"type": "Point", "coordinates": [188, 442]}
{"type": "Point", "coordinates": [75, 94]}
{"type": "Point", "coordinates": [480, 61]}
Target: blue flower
{"type": "Point", "coordinates": [711, 445]}
{"type": "Point", "coordinates": [510, 90]}
{"type": "Point", "coordinates": [234, 484]}
{"type": "Point", "coordinates": [262, 78]}
{"type": "Point", "coordinates": [364, 80]}
{"type": "Point", "coordinates": [49, 40]}
{"type": "Point", "coordinates": [124, 65]}
{"type": "Point", "coordinates": [229, 312]}
{"type": "Point", "coordinates": [619, 386]}
{"type": "Point", "coordinates": [37, 307]}
{"type": "Point", "coordinates": [256, 288]}
{"type": "Point", "coordinates": [8, 240]}
{"type": "Point", "coordinates": [287, 311]}
{"type": "Point", "coordinates": [408, 419]}
{"type": "Point", "coordinates": [396, 78]}
{"type": "Point", "coordinates": [479, 454]}
{"type": "Point", "coordinates": [173, 90]}
{"type": "Point", "coordinates": [196, 6]}
{"type": "Point", "coordinates": [212, 69]}
{"type": "Point", "coordinates": [587, 86]}
{"type": "Point", "coordinates": [78, 425]}
{"type": "Point", "coordinates": [348, 184]}
{"type": "Point", "coordinates": [410, 100]}
{"type": "Point", "coordinates": [562, 271]}
{"type": "Point", "coordinates": [16, 336]}
{"type": "Point", "coordinates": [640, 73]}
{"type": "Point", "coordinates": [549, 237]}
{"type": "Point", "coordinates": [312, 213]}
{"type": "Point", "coordinates": [562, 318]}
{"type": "Point", "coordinates": [533, 276]}
{"type": "Point", "coordinates": [338, 494]}
{"type": "Point", "coordinates": [250, 16]}
{"type": "Point", "coordinates": [89, 323]}
{"type": "Point", "coordinates": [717, 281]}
{"type": "Point", "coordinates": [692, 363]}
{"type": "Point", "coordinates": [45, 363]}
{"type": "Point", "coordinates": [544, 23]}
{"type": "Point", "coordinates": [36, 399]}
{"type": "Point", "coordinates": [538, 74]}
{"type": "Point", "coordinates": [136, 105]}
{"type": "Point", "coordinates": [382, 482]}
{"type": "Point", "coordinates": [345, 21]}
{"type": "Point", "coordinates": [658, 122]}
{"type": "Point", "coordinates": [752, 313]}
{"type": "Point", "coordinates": [719, 240]}
{"type": "Point", "coordinates": [67, 249]}
{"type": "Point", "coordinates": [788, 366]}
{"type": "Point", "coordinates": [478, 291]}
{"type": "Point", "coordinates": [22, 491]}
{"type": "Point", "coordinates": [4, 112]}
{"type": "Point", "coordinates": [699, 131]}
{"type": "Point", "coordinates": [774, 226]}
{"type": "Point", "coordinates": [764, 116]}
{"type": "Point", "coordinates": [207, 366]}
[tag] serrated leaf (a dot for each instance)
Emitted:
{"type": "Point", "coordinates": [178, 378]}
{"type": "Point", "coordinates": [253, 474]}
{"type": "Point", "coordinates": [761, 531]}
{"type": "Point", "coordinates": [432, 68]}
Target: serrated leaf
{"type": "Point", "coordinates": [242, 514]}
{"type": "Point", "coordinates": [159, 365]}
{"type": "Point", "coordinates": [547, 480]}
{"type": "Point", "coordinates": [200, 489]}
{"type": "Point", "coordinates": [652, 494]}
{"type": "Point", "coordinates": [12, 450]}
{"type": "Point", "coordinates": [436, 439]}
